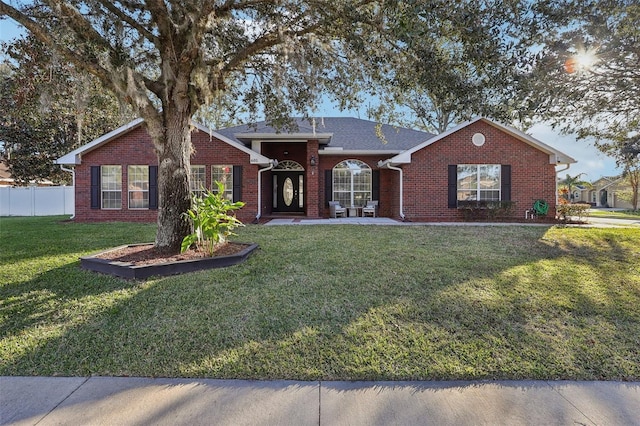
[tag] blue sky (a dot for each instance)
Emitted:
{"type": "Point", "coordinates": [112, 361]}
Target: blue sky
{"type": "Point", "coordinates": [591, 162]}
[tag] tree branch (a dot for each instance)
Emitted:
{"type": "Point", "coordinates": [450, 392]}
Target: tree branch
{"type": "Point", "coordinates": [129, 20]}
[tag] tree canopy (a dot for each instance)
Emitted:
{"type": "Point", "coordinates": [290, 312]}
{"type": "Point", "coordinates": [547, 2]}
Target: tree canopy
{"type": "Point", "coordinates": [457, 60]}
{"type": "Point", "coordinates": [166, 59]}
{"type": "Point", "coordinates": [49, 108]}
{"type": "Point", "coordinates": [587, 77]}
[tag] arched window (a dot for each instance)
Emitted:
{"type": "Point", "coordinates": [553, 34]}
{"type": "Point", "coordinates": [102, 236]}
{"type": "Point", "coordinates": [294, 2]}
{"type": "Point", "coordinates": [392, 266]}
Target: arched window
{"type": "Point", "coordinates": [352, 183]}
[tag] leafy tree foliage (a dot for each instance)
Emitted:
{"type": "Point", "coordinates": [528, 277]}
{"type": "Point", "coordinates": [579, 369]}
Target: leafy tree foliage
{"type": "Point", "coordinates": [168, 58]}
{"type": "Point", "coordinates": [48, 109]}
{"type": "Point", "coordinates": [587, 78]}
{"type": "Point", "coordinates": [453, 61]}
{"type": "Point", "coordinates": [570, 183]}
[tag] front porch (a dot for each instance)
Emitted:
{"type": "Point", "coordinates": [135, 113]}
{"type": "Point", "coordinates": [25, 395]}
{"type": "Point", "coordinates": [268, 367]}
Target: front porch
{"type": "Point", "coordinates": [335, 221]}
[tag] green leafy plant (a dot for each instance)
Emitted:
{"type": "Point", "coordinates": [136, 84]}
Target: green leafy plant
{"type": "Point", "coordinates": [211, 220]}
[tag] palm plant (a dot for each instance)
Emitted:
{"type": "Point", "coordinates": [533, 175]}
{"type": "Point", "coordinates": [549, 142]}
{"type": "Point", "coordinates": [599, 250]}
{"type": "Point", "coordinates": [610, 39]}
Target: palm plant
{"type": "Point", "coordinates": [570, 183]}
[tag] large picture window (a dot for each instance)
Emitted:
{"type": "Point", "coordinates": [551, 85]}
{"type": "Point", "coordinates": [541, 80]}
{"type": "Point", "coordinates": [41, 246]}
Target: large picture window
{"type": "Point", "coordinates": [111, 187]}
{"type": "Point", "coordinates": [138, 182]}
{"type": "Point", "coordinates": [224, 174]}
{"type": "Point", "coordinates": [352, 183]}
{"type": "Point", "coordinates": [478, 182]}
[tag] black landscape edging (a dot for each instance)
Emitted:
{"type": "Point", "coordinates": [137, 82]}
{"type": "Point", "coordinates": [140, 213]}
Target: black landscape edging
{"type": "Point", "coordinates": [130, 271]}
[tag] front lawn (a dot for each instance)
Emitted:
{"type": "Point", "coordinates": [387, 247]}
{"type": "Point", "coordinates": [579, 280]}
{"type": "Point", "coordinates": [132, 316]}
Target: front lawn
{"type": "Point", "coordinates": [615, 214]}
{"type": "Point", "coordinates": [329, 302]}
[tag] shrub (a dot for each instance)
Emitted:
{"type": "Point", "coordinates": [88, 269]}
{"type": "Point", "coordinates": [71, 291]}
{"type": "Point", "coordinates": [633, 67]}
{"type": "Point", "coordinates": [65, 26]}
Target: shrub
{"type": "Point", "coordinates": [479, 210]}
{"type": "Point", "coordinates": [211, 220]}
{"type": "Point", "coordinates": [565, 211]}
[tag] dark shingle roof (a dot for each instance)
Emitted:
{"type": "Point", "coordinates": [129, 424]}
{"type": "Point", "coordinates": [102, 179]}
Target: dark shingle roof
{"type": "Point", "coordinates": [347, 133]}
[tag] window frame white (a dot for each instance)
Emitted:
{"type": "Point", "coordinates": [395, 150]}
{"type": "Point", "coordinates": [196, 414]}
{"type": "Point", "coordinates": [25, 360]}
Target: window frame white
{"type": "Point", "coordinates": [136, 176]}
{"type": "Point", "coordinates": [344, 182]}
{"type": "Point", "coordinates": [198, 179]}
{"type": "Point", "coordinates": [226, 177]}
{"type": "Point", "coordinates": [478, 192]}
{"type": "Point", "coordinates": [113, 180]}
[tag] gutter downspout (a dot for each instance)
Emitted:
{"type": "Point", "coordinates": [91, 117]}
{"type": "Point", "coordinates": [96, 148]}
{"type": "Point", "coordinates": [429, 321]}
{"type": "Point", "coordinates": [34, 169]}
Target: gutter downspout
{"type": "Point", "coordinates": [272, 164]}
{"type": "Point", "coordinates": [389, 166]}
{"type": "Point", "coordinates": [73, 185]}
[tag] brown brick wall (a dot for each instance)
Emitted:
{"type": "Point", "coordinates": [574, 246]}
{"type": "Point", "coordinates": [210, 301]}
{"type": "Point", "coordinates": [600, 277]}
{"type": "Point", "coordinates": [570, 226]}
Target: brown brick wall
{"type": "Point", "coordinates": [425, 179]}
{"type": "Point", "coordinates": [136, 148]}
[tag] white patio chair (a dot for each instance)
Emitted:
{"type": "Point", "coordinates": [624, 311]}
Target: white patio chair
{"type": "Point", "coordinates": [336, 210]}
{"type": "Point", "coordinates": [370, 209]}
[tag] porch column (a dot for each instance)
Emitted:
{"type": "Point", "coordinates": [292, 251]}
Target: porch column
{"type": "Point", "coordinates": [312, 195]}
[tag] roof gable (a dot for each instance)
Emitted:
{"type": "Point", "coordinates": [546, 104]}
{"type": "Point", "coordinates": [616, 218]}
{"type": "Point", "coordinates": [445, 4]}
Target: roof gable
{"type": "Point", "coordinates": [555, 156]}
{"type": "Point", "coordinates": [75, 157]}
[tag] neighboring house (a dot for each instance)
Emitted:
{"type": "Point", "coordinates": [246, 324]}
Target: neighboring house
{"type": "Point", "coordinates": [414, 175]}
{"type": "Point", "coordinates": [605, 192]}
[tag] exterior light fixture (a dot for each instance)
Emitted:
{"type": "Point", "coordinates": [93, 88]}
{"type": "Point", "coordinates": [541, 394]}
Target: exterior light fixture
{"type": "Point", "coordinates": [313, 161]}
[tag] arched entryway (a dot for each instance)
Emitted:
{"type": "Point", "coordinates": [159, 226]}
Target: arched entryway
{"type": "Point", "coordinates": [288, 187]}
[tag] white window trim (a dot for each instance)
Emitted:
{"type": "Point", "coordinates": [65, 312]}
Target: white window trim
{"type": "Point", "coordinates": [351, 192]}
{"type": "Point", "coordinates": [204, 186]}
{"type": "Point", "coordinates": [478, 190]}
{"type": "Point", "coordinates": [228, 189]}
{"type": "Point", "coordinates": [142, 191]}
{"type": "Point", "coordinates": [103, 191]}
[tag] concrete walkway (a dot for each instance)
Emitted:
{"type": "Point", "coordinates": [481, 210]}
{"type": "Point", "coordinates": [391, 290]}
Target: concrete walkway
{"type": "Point", "coordinates": [592, 222]}
{"type": "Point", "coordinates": [143, 401]}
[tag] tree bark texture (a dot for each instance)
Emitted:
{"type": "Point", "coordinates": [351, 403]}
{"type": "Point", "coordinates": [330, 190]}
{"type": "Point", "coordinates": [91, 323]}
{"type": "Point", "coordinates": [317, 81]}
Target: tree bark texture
{"type": "Point", "coordinates": [173, 179]}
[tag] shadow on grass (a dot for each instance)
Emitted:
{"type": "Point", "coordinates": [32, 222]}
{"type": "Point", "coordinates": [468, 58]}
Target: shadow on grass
{"type": "Point", "coordinates": [350, 303]}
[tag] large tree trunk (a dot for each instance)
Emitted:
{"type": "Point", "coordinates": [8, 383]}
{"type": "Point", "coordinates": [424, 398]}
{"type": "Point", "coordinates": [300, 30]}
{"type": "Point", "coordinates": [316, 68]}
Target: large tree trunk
{"type": "Point", "coordinates": [174, 197]}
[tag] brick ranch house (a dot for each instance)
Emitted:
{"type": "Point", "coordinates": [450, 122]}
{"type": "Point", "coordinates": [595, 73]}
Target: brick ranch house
{"type": "Point", "coordinates": [413, 175]}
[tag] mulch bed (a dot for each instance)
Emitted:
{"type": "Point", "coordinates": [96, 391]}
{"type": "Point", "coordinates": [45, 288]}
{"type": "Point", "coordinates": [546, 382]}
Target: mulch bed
{"type": "Point", "coordinates": [146, 254]}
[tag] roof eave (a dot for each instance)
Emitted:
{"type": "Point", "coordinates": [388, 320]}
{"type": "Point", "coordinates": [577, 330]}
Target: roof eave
{"type": "Point", "coordinates": [356, 152]}
{"type": "Point", "coordinates": [249, 137]}
{"type": "Point", "coordinates": [254, 157]}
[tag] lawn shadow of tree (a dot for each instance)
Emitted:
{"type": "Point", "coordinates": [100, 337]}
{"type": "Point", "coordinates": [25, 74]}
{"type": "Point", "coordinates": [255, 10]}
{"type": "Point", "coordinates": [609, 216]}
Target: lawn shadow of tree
{"type": "Point", "coordinates": [339, 302]}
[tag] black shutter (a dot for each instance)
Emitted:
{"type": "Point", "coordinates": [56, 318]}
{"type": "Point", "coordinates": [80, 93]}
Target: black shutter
{"type": "Point", "coordinates": [453, 186]}
{"type": "Point", "coordinates": [505, 186]}
{"type": "Point", "coordinates": [237, 183]}
{"type": "Point", "coordinates": [153, 187]}
{"type": "Point", "coordinates": [328, 186]}
{"type": "Point", "coordinates": [95, 187]}
{"type": "Point", "coordinates": [375, 185]}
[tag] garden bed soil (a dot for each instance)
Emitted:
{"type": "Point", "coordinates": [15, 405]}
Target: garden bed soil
{"type": "Point", "coordinates": [139, 261]}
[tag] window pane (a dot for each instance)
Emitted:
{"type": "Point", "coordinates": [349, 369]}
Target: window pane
{"type": "Point", "coordinates": [490, 177]}
{"type": "Point", "coordinates": [466, 195]}
{"type": "Point", "coordinates": [198, 179]}
{"type": "Point", "coordinates": [111, 199]}
{"type": "Point", "coordinates": [111, 186]}
{"type": "Point", "coordinates": [467, 176]}
{"type": "Point", "coordinates": [223, 174]}
{"type": "Point", "coordinates": [352, 183]}
{"type": "Point", "coordinates": [490, 195]}
{"type": "Point", "coordinates": [138, 182]}
{"type": "Point", "coordinates": [479, 182]}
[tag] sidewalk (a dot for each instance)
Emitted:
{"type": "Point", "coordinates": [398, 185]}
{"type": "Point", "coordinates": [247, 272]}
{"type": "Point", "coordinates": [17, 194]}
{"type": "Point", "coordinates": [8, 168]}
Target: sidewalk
{"type": "Point", "coordinates": [142, 401]}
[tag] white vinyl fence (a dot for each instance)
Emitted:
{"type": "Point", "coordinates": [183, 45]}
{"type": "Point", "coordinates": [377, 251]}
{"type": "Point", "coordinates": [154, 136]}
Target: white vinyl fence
{"type": "Point", "coordinates": [37, 201]}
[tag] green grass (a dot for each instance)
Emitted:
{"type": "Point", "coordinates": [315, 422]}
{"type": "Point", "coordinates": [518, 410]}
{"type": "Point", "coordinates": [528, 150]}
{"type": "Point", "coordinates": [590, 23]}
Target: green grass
{"type": "Point", "coordinates": [329, 302]}
{"type": "Point", "coordinates": [622, 214]}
